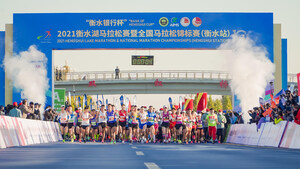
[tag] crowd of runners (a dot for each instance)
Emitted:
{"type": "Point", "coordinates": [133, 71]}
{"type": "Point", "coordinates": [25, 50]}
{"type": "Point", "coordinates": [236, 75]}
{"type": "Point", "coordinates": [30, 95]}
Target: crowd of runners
{"type": "Point", "coordinates": [141, 125]}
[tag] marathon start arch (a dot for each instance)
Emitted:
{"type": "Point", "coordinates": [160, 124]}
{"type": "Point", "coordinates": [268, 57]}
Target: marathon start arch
{"type": "Point", "coordinates": [205, 31]}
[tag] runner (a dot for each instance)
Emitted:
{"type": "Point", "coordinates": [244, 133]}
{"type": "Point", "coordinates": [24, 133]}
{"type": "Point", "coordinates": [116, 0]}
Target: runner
{"type": "Point", "coordinates": [165, 123]}
{"type": "Point", "coordinates": [78, 124]}
{"type": "Point", "coordinates": [220, 126]}
{"type": "Point", "coordinates": [184, 129]}
{"type": "Point", "coordinates": [205, 126]}
{"type": "Point", "coordinates": [212, 121]}
{"type": "Point", "coordinates": [102, 120]}
{"type": "Point", "coordinates": [133, 124]}
{"type": "Point", "coordinates": [189, 125]}
{"type": "Point", "coordinates": [71, 122]}
{"type": "Point", "coordinates": [172, 125]}
{"type": "Point", "coordinates": [143, 125]}
{"type": "Point", "coordinates": [63, 118]}
{"type": "Point", "coordinates": [200, 132]}
{"type": "Point", "coordinates": [112, 124]}
{"type": "Point", "coordinates": [150, 123]}
{"type": "Point", "coordinates": [94, 125]}
{"type": "Point", "coordinates": [85, 125]}
{"type": "Point", "coordinates": [194, 127]}
{"type": "Point", "coordinates": [122, 122]}
{"type": "Point", "coordinates": [178, 126]}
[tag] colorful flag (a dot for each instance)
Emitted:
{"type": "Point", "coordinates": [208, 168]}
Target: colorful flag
{"type": "Point", "coordinates": [91, 104]}
{"type": "Point", "coordinates": [267, 112]}
{"type": "Point", "coordinates": [129, 106]}
{"type": "Point", "coordinates": [202, 102]}
{"type": "Point", "coordinates": [267, 98]}
{"type": "Point", "coordinates": [170, 101]}
{"type": "Point", "coordinates": [292, 86]}
{"type": "Point", "coordinates": [181, 102]}
{"type": "Point", "coordinates": [122, 99]}
{"type": "Point", "coordinates": [79, 101]}
{"type": "Point", "coordinates": [186, 103]}
{"type": "Point", "coordinates": [279, 93]}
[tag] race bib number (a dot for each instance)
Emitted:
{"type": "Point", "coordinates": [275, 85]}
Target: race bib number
{"type": "Point", "coordinates": [111, 118]}
{"type": "Point", "coordinates": [122, 118]}
{"type": "Point", "coordinates": [71, 120]}
{"type": "Point", "coordinates": [199, 125]}
{"type": "Point", "coordinates": [79, 120]}
{"type": "Point", "coordinates": [150, 119]}
{"type": "Point", "coordinates": [143, 120]}
{"type": "Point", "coordinates": [134, 121]}
{"type": "Point", "coordinates": [94, 123]}
{"type": "Point", "coordinates": [102, 117]}
{"type": "Point", "coordinates": [63, 119]}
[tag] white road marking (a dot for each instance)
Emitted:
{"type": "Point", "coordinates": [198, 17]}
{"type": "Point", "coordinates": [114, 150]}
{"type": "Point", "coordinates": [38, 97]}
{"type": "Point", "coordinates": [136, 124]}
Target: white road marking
{"type": "Point", "coordinates": [151, 166]}
{"type": "Point", "coordinates": [130, 144]}
{"type": "Point", "coordinates": [134, 147]}
{"type": "Point", "coordinates": [139, 153]}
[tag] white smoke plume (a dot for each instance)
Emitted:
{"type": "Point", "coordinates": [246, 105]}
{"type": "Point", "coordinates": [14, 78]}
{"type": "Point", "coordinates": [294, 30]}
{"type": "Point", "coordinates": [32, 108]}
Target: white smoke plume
{"type": "Point", "coordinates": [250, 70]}
{"type": "Point", "coordinates": [29, 74]}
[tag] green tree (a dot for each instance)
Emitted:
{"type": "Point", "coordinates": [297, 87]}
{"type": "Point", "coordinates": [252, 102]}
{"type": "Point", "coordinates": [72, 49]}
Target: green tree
{"type": "Point", "coordinates": [217, 104]}
{"type": "Point", "coordinates": [210, 102]}
{"type": "Point", "coordinates": [226, 101]}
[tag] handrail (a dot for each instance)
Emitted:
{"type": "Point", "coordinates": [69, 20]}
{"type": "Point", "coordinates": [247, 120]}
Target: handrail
{"type": "Point", "coordinates": [155, 74]}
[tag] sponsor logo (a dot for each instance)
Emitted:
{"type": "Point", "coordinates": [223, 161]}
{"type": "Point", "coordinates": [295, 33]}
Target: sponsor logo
{"type": "Point", "coordinates": [185, 21]}
{"type": "Point", "coordinates": [174, 22]}
{"type": "Point", "coordinates": [197, 21]}
{"type": "Point", "coordinates": [163, 21]}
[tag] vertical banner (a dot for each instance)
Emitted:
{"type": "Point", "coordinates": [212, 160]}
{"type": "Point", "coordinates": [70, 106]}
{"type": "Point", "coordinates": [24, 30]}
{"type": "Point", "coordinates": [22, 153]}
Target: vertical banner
{"type": "Point", "coordinates": [59, 98]}
{"type": "Point", "coordinates": [298, 80]}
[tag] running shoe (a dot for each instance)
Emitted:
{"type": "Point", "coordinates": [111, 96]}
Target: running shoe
{"type": "Point", "coordinates": [123, 142]}
{"type": "Point", "coordinates": [72, 140]}
{"type": "Point", "coordinates": [64, 140]}
{"type": "Point", "coordinates": [111, 142]}
{"type": "Point", "coordinates": [84, 141]}
{"type": "Point", "coordinates": [80, 141]}
{"type": "Point", "coordinates": [115, 142]}
{"type": "Point", "coordinates": [94, 140]}
{"type": "Point", "coordinates": [219, 142]}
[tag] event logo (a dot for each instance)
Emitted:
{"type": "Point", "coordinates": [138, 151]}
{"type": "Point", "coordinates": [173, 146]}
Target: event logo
{"type": "Point", "coordinates": [174, 22]}
{"type": "Point", "coordinates": [185, 21]}
{"type": "Point", "coordinates": [163, 21]}
{"type": "Point", "coordinates": [46, 37]}
{"type": "Point", "coordinates": [197, 21]}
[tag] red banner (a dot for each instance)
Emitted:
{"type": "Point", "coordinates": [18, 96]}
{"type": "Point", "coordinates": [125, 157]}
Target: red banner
{"type": "Point", "coordinates": [298, 79]}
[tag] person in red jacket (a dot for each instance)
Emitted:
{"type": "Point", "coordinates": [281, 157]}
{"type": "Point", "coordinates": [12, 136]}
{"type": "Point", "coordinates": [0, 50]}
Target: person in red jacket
{"type": "Point", "coordinates": [297, 118]}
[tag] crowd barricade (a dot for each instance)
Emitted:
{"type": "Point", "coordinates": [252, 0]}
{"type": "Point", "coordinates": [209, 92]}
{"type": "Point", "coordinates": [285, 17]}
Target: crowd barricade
{"type": "Point", "coordinates": [21, 132]}
{"type": "Point", "coordinates": [244, 134]}
{"type": "Point", "coordinates": [284, 134]}
{"type": "Point", "coordinates": [291, 137]}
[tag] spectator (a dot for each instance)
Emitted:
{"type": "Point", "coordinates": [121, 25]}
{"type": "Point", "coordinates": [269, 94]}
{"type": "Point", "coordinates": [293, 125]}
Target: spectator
{"type": "Point", "coordinates": [15, 112]}
{"type": "Point", "coordinates": [2, 110]}
{"type": "Point", "coordinates": [37, 111]}
{"type": "Point", "coordinates": [25, 109]}
{"type": "Point", "coordinates": [49, 114]}
{"type": "Point", "coordinates": [297, 117]}
{"type": "Point", "coordinates": [232, 118]}
{"type": "Point", "coordinates": [117, 71]}
{"type": "Point", "coordinates": [278, 119]}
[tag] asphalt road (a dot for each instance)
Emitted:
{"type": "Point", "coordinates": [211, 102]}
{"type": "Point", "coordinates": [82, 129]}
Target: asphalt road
{"type": "Point", "coordinates": [153, 156]}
